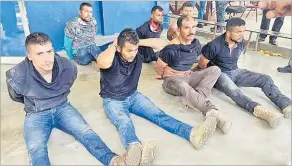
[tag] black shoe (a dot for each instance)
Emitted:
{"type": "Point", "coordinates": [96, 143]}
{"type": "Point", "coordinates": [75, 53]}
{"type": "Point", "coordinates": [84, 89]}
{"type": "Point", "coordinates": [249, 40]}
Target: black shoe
{"type": "Point", "coordinates": [286, 69]}
{"type": "Point", "coordinates": [261, 39]}
{"type": "Point", "coordinates": [273, 42]}
{"type": "Point", "coordinates": [200, 25]}
{"type": "Point", "coordinates": [219, 29]}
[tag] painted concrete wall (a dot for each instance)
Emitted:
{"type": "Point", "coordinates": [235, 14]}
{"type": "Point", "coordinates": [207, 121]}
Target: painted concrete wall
{"type": "Point", "coordinates": [119, 15]}
{"type": "Point", "coordinates": [12, 34]}
{"type": "Point", "coordinates": [50, 17]}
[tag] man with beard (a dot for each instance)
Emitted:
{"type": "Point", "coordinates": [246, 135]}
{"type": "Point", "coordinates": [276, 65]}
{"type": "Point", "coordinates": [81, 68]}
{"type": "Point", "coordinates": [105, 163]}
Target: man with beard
{"type": "Point", "coordinates": [174, 65]}
{"type": "Point", "coordinates": [151, 29]}
{"type": "Point", "coordinates": [79, 40]}
{"type": "Point", "coordinates": [224, 52]}
{"type": "Point", "coordinates": [121, 65]}
{"type": "Point", "coordinates": [42, 82]}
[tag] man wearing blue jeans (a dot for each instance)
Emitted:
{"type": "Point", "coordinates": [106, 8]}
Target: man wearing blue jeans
{"type": "Point", "coordinates": [201, 12]}
{"type": "Point", "coordinates": [42, 83]}
{"type": "Point", "coordinates": [79, 40]}
{"type": "Point", "coordinates": [120, 67]}
{"type": "Point", "coordinates": [224, 52]}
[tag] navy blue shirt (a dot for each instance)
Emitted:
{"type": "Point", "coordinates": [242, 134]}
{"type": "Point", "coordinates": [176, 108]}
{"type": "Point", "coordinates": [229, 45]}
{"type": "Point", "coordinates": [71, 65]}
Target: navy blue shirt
{"type": "Point", "coordinates": [219, 53]}
{"type": "Point", "coordinates": [121, 79]}
{"type": "Point", "coordinates": [181, 57]}
{"type": "Point", "coordinates": [144, 32]}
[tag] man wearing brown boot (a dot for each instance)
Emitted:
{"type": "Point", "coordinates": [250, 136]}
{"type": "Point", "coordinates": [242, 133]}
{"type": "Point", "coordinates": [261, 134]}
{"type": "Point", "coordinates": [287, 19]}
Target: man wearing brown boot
{"type": "Point", "coordinates": [174, 65]}
{"type": "Point", "coordinates": [224, 52]}
{"type": "Point", "coordinates": [120, 66]}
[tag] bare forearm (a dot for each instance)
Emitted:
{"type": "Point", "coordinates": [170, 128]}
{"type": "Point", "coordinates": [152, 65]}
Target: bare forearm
{"type": "Point", "coordinates": [154, 43]}
{"type": "Point", "coordinates": [203, 62]}
{"type": "Point", "coordinates": [105, 59]}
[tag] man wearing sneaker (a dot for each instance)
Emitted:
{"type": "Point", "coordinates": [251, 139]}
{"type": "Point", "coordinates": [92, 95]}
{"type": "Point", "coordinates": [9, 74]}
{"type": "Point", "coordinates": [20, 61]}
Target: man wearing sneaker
{"type": "Point", "coordinates": [224, 52]}
{"type": "Point", "coordinates": [151, 29]}
{"type": "Point", "coordinates": [174, 65]}
{"type": "Point", "coordinates": [79, 40]}
{"type": "Point", "coordinates": [187, 9]}
{"type": "Point", "coordinates": [120, 67]}
{"type": "Point", "coordinates": [265, 24]}
{"type": "Point", "coordinates": [42, 83]}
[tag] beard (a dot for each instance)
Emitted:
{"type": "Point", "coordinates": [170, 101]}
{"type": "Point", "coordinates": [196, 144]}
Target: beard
{"type": "Point", "coordinates": [235, 41]}
{"type": "Point", "coordinates": [84, 20]}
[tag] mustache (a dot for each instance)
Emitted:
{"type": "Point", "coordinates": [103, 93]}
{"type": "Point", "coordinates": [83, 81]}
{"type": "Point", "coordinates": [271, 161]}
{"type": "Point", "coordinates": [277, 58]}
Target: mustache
{"type": "Point", "coordinates": [191, 34]}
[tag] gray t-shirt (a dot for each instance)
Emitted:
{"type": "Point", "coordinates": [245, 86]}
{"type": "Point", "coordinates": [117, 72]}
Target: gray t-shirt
{"type": "Point", "coordinates": [82, 33]}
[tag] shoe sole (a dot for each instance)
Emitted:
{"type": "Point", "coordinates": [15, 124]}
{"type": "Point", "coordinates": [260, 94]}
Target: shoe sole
{"type": "Point", "coordinates": [134, 155]}
{"type": "Point", "coordinates": [209, 129]}
{"type": "Point", "coordinates": [148, 154]}
{"type": "Point", "coordinates": [277, 122]}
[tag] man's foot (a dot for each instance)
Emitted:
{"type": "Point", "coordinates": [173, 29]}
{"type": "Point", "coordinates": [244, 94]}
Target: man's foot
{"type": "Point", "coordinates": [273, 118]}
{"type": "Point", "coordinates": [286, 69]}
{"type": "Point", "coordinates": [200, 25]}
{"type": "Point", "coordinates": [200, 134]}
{"type": "Point", "coordinates": [219, 29]}
{"type": "Point", "coordinates": [273, 42]}
{"type": "Point", "coordinates": [118, 160]}
{"type": "Point", "coordinates": [287, 112]}
{"type": "Point", "coordinates": [148, 154]}
{"type": "Point", "coordinates": [261, 39]}
{"type": "Point", "coordinates": [223, 122]}
{"type": "Point", "coordinates": [134, 154]}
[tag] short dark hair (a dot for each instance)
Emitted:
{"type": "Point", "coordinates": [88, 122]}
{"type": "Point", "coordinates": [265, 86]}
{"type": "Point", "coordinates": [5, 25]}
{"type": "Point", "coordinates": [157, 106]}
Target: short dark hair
{"type": "Point", "coordinates": [37, 38]}
{"type": "Point", "coordinates": [180, 20]}
{"type": "Point", "coordinates": [187, 4]}
{"type": "Point", "coordinates": [234, 21]}
{"type": "Point", "coordinates": [128, 35]}
{"type": "Point", "coordinates": [156, 8]}
{"type": "Point", "coordinates": [85, 4]}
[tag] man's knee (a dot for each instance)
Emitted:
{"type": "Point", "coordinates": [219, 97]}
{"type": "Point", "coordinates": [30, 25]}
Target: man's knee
{"type": "Point", "coordinates": [214, 71]}
{"type": "Point", "coordinates": [266, 79]}
{"type": "Point", "coordinates": [82, 60]}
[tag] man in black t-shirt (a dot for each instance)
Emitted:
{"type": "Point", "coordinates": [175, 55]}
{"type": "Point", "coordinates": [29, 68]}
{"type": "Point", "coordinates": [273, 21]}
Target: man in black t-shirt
{"type": "Point", "coordinates": [121, 66]}
{"type": "Point", "coordinates": [151, 29]}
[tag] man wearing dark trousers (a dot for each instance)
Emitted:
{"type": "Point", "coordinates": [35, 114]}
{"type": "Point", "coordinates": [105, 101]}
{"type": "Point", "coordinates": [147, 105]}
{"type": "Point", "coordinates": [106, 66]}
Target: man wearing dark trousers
{"type": "Point", "coordinates": [266, 24]}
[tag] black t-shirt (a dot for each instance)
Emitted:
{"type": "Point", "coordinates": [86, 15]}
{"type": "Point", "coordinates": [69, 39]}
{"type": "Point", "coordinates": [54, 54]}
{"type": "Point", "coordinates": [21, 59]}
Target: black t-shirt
{"type": "Point", "coordinates": [181, 57]}
{"type": "Point", "coordinates": [144, 32]}
{"type": "Point", "coordinates": [219, 53]}
{"type": "Point", "coordinates": [121, 79]}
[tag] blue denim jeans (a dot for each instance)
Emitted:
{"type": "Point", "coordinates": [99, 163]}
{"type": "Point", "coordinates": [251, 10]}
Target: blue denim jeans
{"type": "Point", "coordinates": [38, 127]}
{"type": "Point", "coordinates": [119, 114]}
{"type": "Point", "coordinates": [87, 54]}
{"type": "Point", "coordinates": [229, 83]}
{"type": "Point", "coordinates": [202, 10]}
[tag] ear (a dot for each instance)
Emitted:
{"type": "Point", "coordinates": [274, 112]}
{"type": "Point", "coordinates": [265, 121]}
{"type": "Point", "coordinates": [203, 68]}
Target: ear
{"type": "Point", "coordinates": [29, 56]}
{"type": "Point", "coordinates": [119, 49]}
{"type": "Point", "coordinates": [228, 33]}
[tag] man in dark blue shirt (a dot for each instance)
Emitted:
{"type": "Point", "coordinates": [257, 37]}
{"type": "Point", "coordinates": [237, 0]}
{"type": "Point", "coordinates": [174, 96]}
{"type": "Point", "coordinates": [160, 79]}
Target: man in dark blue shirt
{"type": "Point", "coordinates": [42, 83]}
{"type": "Point", "coordinates": [224, 52]}
{"type": "Point", "coordinates": [121, 66]}
{"type": "Point", "coordinates": [174, 65]}
{"type": "Point", "coordinates": [151, 29]}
